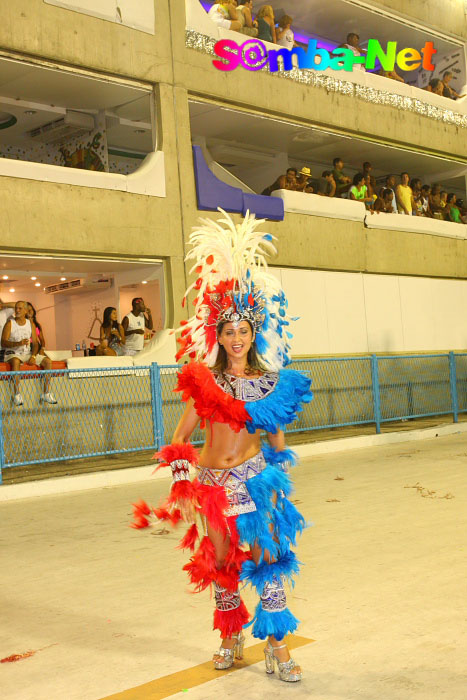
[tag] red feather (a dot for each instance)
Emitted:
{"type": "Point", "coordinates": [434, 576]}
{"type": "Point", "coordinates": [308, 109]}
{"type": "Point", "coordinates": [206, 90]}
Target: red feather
{"type": "Point", "coordinates": [230, 622]}
{"type": "Point", "coordinates": [195, 381]}
{"type": "Point", "coordinates": [189, 540]}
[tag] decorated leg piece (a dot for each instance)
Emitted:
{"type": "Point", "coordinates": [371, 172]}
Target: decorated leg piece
{"type": "Point", "coordinates": [272, 616]}
{"type": "Point", "coordinates": [229, 618]}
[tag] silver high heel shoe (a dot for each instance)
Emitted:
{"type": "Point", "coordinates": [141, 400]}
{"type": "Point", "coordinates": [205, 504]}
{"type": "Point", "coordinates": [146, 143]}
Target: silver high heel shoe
{"type": "Point", "coordinates": [284, 667]}
{"type": "Point", "coordinates": [230, 654]}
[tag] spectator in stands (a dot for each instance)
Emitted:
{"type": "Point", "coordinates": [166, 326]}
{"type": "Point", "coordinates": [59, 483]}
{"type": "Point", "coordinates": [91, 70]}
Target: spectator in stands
{"type": "Point", "coordinates": [443, 203]}
{"type": "Point", "coordinates": [384, 201]}
{"type": "Point", "coordinates": [134, 325]}
{"type": "Point", "coordinates": [425, 197]}
{"type": "Point", "coordinates": [404, 196]}
{"type": "Point", "coordinates": [436, 207]}
{"type": "Point", "coordinates": [266, 24]}
{"type": "Point", "coordinates": [304, 180]}
{"type": "Point", "coordinates": [343, 182]}
{"type": "Point", "coordinates": [352, 43]}
{"type": "Point", "coordinates": [224, 14]}
{"type": "Point", "coordinates": [326, 184]}
{"type": "Point", "coordinates": [453, 212]}
{"type": "Point", "coordinates": [284, 33]}
{"type": "Point", "coordinates": [436, 86]}
{"type": "Point", "coordinates": [416, 187]}
{"type": "Point", "coordinates": [17, 335]}
{"type": "Point", "coordinates": [245, 17]}
{"type": "Point", "coordinates": [358, 192]}
{"type": "Point", "coordinates": [283, 182]}
{"type": "Point", "coordinates": [367, 168]}
{"type": "Point", "coordinates": [393, 74]}
{"type": "Point", "coordinates": [390, 185]}
{"type": "Point", "coordinates": [32, 316]}
{"type": "Point", "coordinates": [7, 309]}
{"type": "Point", "coordinates": [463, 210]}
{"type": "Point", "coordinates": [449, 91]}
{"type": "Point", "coordinates": [112, 335]}
{"type": "Point", "coordinates": [371, 196]}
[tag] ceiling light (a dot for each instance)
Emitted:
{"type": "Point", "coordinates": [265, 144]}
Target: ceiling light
{"type": "Point", "coordinates": [12, 289]}
{"type": "Point", "coordinates": [33, 278]}
{"type": "Point", "coordinates": [5, 277]}
{"type": "Point", "coordinates": [144, 282]}
{"type": "Point", "coordinates": [30, 111]}
{"type": "Point", "coordinates": [38, 284]}
{"type": "Point", "coordinates": [62, 279]}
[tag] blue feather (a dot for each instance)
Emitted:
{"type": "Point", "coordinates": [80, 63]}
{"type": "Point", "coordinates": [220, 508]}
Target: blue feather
{"type": "Point", "coordinates": [277, 457]}
{"type": "Point", "coordinates": [280, 407]}
{"type": "Point", "coordinates": [258, 574]}
{"type": "Point", "coordinates": [277, 624]}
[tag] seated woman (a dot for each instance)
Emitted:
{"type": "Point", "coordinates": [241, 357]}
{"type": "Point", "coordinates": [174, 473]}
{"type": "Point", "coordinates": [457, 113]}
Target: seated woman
{"type": "Point", "coordinates": [112, 335]}
{"type": "Point", "coordinates": [224, 14]}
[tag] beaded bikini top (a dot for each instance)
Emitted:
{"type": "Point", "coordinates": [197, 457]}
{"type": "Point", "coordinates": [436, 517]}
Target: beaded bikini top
{"type": "Point", "coordinates": [247, 388]}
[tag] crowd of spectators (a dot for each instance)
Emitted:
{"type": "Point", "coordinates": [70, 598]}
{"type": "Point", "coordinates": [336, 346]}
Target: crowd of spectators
{"type": "Point", "coordinates": [408, 196]}
{"type": "Point", "coordinates": [22, 339]}
{"type": "Point", "coordinates": [238, 16]}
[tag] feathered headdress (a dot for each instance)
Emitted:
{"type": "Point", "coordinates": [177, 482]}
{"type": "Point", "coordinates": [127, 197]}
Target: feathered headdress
{"type": "Point", "coordinates": [234, 284]}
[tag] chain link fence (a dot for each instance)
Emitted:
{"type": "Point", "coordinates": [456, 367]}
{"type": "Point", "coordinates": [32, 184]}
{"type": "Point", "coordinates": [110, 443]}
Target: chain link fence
{"type": "Point", "coordinates": [114, 410]}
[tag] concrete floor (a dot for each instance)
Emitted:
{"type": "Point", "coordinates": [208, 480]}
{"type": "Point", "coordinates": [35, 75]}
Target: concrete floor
{"type": "Point", "coordinates": [382, 592]}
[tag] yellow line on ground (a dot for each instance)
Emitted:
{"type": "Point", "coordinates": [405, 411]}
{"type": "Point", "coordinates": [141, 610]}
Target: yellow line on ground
{"type": "Point", "coordinates": [197, 675]}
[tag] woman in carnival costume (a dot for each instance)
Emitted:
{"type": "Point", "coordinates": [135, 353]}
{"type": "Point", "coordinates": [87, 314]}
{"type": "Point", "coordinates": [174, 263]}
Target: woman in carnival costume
{"type": "Point", "coordinates": [236, 389]}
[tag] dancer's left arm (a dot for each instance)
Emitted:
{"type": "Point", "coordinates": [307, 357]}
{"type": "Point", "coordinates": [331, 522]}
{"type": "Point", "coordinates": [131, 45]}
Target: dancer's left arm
{"type": "Point", "coordinates": [277, 440]}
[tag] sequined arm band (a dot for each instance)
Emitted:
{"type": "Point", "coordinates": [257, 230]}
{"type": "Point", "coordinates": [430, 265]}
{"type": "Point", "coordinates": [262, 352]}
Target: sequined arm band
{"type": "Point", "coordinates": [180, 469]}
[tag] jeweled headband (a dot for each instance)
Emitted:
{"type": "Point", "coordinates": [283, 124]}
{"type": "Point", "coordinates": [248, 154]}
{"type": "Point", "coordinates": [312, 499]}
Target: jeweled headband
{"type": "Point", "coordinates": [233, 284]}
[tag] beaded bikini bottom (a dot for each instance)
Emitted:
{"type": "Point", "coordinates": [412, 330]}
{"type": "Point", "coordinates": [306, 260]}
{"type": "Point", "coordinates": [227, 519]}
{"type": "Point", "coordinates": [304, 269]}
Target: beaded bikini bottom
{"type": "Point", "coordinates": [234, 482]}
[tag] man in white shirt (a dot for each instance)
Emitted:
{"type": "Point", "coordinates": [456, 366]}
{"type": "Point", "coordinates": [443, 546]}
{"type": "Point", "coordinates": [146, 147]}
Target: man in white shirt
{"type": "Point", "coordinates": [224, 15]}
{"type": "Point", "coordinates": [7, 310]}
{"type": "Point", "coordinates": [134, 325]}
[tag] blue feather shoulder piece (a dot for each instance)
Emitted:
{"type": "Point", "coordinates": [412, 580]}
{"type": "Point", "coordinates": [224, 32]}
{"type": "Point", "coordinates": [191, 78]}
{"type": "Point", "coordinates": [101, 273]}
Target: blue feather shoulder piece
{"type": "Point", "coordinates": [280, 407]}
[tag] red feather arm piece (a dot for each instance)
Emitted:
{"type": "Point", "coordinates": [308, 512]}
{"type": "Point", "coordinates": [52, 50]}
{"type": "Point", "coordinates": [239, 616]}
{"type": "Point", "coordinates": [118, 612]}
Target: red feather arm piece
{"type": "Point", "coordinates": [170, 453]}
{"type": "Point", "coordinates": [196, 381]}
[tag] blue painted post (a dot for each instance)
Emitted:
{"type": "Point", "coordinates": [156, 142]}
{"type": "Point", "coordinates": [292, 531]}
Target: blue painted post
{"type": "Point", "coordinates": [376, 398]}
{"type": "Point", "coordinates": [453, 383]}
{"type": "Point", "coordinates": [156, 405]}
{"type": "Point", "coordinates": [2, 452]}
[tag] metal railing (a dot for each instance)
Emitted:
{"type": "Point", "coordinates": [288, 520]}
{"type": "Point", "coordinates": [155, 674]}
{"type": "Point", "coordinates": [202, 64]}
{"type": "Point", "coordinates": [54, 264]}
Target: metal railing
{"type": "Point", "coordinates": [116, 410]}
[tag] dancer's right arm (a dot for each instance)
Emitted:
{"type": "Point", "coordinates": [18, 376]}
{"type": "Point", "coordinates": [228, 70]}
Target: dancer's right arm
{"type": "Point", "coordinates": [182, 434]}
{"type": "Point", "coordinates": [186, 424]}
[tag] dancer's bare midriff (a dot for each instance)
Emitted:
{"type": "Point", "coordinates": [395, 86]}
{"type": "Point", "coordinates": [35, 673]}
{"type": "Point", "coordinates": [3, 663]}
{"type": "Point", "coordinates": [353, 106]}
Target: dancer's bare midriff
{"type": "Point", "coordinates": [225, 449]}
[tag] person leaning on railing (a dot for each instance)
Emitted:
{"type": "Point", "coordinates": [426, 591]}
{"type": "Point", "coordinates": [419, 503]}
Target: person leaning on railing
{"type": "Point", "coordinates": [453, 213]}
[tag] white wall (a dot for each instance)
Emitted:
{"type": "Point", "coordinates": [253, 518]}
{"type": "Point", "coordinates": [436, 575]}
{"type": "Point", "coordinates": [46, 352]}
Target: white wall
{"type": "Point", "coordinates": [345, 313]}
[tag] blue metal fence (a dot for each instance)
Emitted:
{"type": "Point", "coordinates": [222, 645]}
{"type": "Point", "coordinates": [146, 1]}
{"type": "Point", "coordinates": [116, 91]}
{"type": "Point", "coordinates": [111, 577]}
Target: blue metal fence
{"type": "Point", "coordinates": [115, 410]}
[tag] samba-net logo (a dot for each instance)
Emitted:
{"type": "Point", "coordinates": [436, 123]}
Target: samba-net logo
{"type": "Point", "coordinates": [253, 55]}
